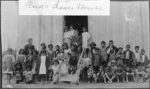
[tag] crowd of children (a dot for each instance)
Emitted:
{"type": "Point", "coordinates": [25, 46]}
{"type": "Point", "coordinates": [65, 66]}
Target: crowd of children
{"type": "Point", "coordinates": [97, 64]}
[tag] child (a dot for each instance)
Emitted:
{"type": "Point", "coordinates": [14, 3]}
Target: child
{"type": "Point", "coordinates": [34, 65]}
{"type": "Point", "coordinates": [76, 39]}
{"type": "Point", "coordinates": [147, 75]}
{"type": "Point", "coordinates": [103, 53]}
{"type": "Point", "coordinates": [8, 60]}
{"type": "Point", "coordinates": [111, 71]}
{"type": "Point", "coordinates": [22, 58]}
{"type": "Point", "coordinates": [55, 69]}
{"type": "Point", "coordinates": [90, 73]}
{"type": "Point", "coordinates": [111, 51]}
{"type": "Point", "coordinates": [86, 61]}
{"type": "Point", "coordinates": [119, 56]}
{"type": "Point", "coordinates": [129, 72]}
{"type": "Point", "coordinates": [101, 74]}
{"type": "Point", "coordinates": [43, 67]}
{"type": "Point", "coordinates": [28, 75]}
{"type": "Point", "coordinates": [50, 55]}
{"type": "Point", "coordinates": [140, 74]}
{"type": "Point", "coordinates": [85, 39]}
{"type": "Point", "coordinates": [96, 60]}
{"type": "Point", "coordinates": [137, 55]}
{"type": "Point", "coordinates": [18, 73]}
{"type": "Point", "coordinates": [120, 73]}
{"type": "Point", "coordinates": [43, 48]}
{"type": "Point", "coordinates": [144, 58]}
{"type": "Point", "coordinates": [57, 50]}
{"type": "Point", "coordinates": [128, 56]}
{"type": "Point", "coordinates": [29, 46]}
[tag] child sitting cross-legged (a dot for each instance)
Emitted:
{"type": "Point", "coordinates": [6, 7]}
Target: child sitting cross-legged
{"type": "Point", "coordinates": [18, 72]}
{"type": "Point", "coordinates": [129, 72]}
{"type": "Point", "coordinates": [140, 73]}
{"type": "Point", "coordinates": [101, 74]}
{"type": "Point", "coordinates": [111, 71]}
{"type": "Point", "coordinates": [120, 73]}
{"type": "Point", "coordinates": [28, 75]}
{"type": "Point", "coordinates": [90, 73]}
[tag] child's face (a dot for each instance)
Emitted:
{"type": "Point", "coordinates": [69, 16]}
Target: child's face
{"type": "Point", "coordinates": [57, 48]}
{"type": "Point", "coordinates": [137, 49]}
{"type": "Point", "coordinates": [28, 69]}
{"type": "Point", "coordinates": [101, 68]}
{"type": "Point", "coordinates": [50, 47]}
{"type": "Point", "coordinates": [55, 63]}
{"type": "Point", "coordinates": [128, 47]}
{"type": "Point", "coordinates": [111, 43]}
{"type": "Point", "coordinates": [18, 66]}
{"type": "Point", "coordinates": [84, 29]}
{"type": "Point", "coordinates": [34, 53]}
{"type": "Point", "coordinates": [85, 55]}
{"type": "Point", "coordinates": [143, 52]}
{"type": "Point", "coordinates": [97, 51]}
{"type": "Point", "coordinates": [21, 52]}
{"type": "Point", "coordinates": [103, 45]}
{"type": "Point", "coordinates": [76, 32]}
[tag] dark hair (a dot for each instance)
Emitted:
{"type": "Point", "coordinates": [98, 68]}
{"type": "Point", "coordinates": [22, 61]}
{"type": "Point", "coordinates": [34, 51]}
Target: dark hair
{"type": "Point", "coordinates": [93, 43]}
{"type": "Point", "coordinates": [111, 41]}
{"type": "Point", "coordinates": [43, 51]}
{"type": "Point", "coordinates": [103, 42]}
{"type": "Point", "coordinates": [97, 49]}
{"type": "Point", "coordinates": [21, 51]}
{"type": "Point", "coordinates": [137, 47]}
{"type": "Point", "coordinates": [142, 50]}
{"type": "Point", "coordinates": [35, 51]}
{"type": "Point", "coordinates": [120, 48]}
{"type": "Point", "coordinates": [65, 44]}
{"type": "Point", "coordinates": [28, 67]}
{"type": "Point", "coordinates": [56, 61]}
{"type": "Point", "coordinates": [127, 45]}
{"type": "Point", "coordinates": [50, 45]}
{"type": "Point", "coordinates": [43, 44]}
{"type": "Point", "coordinates": [57, 46]}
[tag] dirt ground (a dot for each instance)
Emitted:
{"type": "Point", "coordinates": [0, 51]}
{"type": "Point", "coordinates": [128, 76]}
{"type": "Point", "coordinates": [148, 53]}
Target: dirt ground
{"type": "Point", "coordinates": [81, 85]}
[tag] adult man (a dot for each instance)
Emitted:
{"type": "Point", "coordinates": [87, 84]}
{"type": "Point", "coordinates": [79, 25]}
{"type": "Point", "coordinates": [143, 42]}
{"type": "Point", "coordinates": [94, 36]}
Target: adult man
{"type": "Point", "coordinates": [29, 46]}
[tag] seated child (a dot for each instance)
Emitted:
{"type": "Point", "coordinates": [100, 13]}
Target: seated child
{"type": "Point", "coordinates": [18, 73]}
{"type": "Point", "coordinates": [147, 75]}
{"type": "Point", "coordinates": [129, 72]}
{"type": "Point", "coordinates": [101, 74]}
{"type": "Point", "coordinates": [22, 58]}
{"type": "Point", "coordinates": [140, 74]}
{"type": "Point", "coordinates": [55, 69]}
{"type": "Point", "coordinates": [86, 62]}
{"type": "Point", "coordinates": [119, 56]}
{"type": "Point", "coordinates": [111, 71]}
{"type": "Point", "coordinates": [90, 73]}
{"type": "Point", "coordinates": [120, 73]}
{"type": "Point", "coordinates": [28, 75]}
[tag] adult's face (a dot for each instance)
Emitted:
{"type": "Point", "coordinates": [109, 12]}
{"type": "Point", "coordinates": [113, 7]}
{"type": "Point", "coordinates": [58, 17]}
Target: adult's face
{"type": "Point", "coordinates": [30, 41]}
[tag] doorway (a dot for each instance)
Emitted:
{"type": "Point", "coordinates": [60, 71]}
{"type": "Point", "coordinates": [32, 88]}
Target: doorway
{"type": "Point", "coordinates": [78, 22]}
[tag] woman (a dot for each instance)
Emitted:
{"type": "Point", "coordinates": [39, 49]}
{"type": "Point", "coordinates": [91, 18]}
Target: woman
{"type": "Point", "coordinates": [74, 78]}
{"type": "Point", "coordinates": [85, 39]}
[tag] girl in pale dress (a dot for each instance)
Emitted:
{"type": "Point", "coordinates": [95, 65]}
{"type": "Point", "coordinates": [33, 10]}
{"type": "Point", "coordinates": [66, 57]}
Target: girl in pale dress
{"type": "Point", "coordinates": [8, 62]}
{"type": "Point", "coordinates": [42, 69]}
{"type": "Point", "coordinates": [85, 39]}
{"type": "Point", "coordinates": [55, 69]}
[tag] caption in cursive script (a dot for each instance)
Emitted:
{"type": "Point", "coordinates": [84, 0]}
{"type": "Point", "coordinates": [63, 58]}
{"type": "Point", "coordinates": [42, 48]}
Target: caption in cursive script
{"type": "Point", "coordinates": [64, 7]}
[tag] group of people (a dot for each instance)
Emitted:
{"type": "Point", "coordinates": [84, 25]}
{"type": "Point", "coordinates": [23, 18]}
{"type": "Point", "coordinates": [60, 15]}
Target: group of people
{"type": "Point", "coordinates": [76, 60]}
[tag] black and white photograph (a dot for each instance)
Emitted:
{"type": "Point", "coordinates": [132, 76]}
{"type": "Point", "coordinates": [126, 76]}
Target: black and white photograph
{"type": "Point", "coordinates": [77, 45]}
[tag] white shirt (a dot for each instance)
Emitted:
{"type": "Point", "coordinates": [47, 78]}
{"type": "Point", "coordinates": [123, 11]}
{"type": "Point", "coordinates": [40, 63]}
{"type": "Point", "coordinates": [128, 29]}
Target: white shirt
{"type": "Point", "coordinates": [86, 61]}
{"type": "Point", "coordinates": [137, 56]}
{"type": "Point", "coordinates": [143, 58]}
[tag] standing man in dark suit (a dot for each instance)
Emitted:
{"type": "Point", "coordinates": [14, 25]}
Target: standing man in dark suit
{"type": "Point", "coordinates": [29, 46]}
